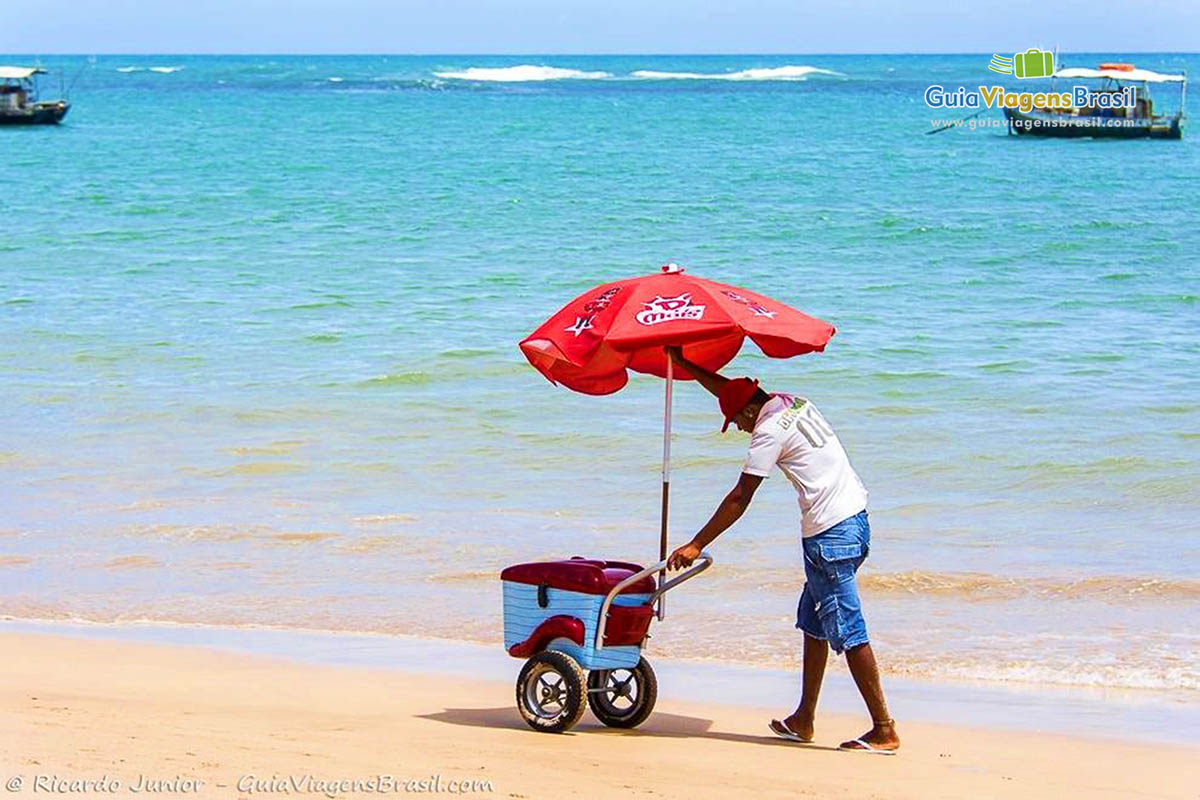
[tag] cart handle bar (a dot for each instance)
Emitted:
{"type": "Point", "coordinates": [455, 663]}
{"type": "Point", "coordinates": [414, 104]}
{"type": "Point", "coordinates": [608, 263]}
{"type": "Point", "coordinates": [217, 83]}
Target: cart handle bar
{"type": "Point", "coordinates": [705, 562]}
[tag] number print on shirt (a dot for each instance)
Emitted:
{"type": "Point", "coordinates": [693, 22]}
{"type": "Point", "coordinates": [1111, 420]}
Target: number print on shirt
{"type": "Point", "coordinates": [813, 426]}
{"type": "Point", "coordinates": [808, 421]}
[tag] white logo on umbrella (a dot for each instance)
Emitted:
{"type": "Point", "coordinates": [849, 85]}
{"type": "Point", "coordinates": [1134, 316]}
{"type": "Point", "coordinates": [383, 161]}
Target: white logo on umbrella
{"type": "Point", "coordinates": [581, 324]}
{"type": "Point", "coordinates": [665, 309]}
{"type": "Point", "coordinates": [758, 309]}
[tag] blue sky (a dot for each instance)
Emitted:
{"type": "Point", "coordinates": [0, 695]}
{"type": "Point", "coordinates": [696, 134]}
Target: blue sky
{"type": "Point", "coordinates": [594, 26]}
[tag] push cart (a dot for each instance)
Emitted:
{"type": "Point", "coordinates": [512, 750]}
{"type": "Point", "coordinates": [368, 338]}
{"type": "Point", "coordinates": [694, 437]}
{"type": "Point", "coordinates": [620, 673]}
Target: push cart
{"type": "Point", "coordinates": [577, 616]}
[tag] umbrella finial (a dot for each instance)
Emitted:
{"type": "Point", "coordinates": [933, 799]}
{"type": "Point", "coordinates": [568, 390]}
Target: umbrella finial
{"type": "Point", "coordinates": [671, 268]}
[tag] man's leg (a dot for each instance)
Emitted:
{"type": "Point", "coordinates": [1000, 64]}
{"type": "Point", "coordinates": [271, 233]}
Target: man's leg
{"type": "Point", "coordinates": [816, 653]}
{"type": "Point", "coordinates": [861, 660]}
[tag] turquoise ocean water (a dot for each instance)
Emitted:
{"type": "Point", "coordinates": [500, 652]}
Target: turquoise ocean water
{"type": "Point", "coordinates": [258, 325]}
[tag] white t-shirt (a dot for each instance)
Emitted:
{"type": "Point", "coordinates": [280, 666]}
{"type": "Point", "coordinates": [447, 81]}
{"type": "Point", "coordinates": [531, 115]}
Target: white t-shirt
{"type": "Point", "coordinates": [791, 432]}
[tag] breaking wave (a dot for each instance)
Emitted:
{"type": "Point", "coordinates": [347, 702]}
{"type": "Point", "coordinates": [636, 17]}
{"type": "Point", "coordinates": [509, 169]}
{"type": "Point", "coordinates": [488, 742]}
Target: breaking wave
{"type": "Point", "coordinates": [974, 586]}
{"type": "Point", "coordinates": [1123, 674]}
{"type": "Point", "coordinates": [521, 73]}
{"type": "Point", "coordinates": [787, 73]}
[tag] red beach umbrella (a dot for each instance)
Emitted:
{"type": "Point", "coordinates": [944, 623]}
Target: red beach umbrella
{"type": "Point", "coordinates": [590, 345]}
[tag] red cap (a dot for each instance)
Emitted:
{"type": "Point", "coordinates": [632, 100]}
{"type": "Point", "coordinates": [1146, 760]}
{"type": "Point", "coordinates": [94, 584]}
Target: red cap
{"type": "Point", "coordinates": [734, 396]}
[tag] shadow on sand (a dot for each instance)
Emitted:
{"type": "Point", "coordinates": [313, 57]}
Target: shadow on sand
{"type": "Point", "coordinates": [660, 724]}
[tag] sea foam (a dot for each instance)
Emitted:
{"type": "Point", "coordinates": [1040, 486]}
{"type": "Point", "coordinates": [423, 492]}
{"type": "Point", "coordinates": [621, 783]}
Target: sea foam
{"type": "Point", "coordinates": [786, 73]}
{"type": "Point", "coordinates": [521, 73]}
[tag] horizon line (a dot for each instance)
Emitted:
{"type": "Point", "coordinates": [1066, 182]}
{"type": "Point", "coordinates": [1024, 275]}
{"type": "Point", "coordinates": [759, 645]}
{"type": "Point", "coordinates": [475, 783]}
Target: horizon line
{"type": "Point", "coordinates": [536, 54]}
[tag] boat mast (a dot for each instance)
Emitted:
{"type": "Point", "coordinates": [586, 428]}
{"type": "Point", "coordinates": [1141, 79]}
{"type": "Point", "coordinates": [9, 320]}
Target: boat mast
{"type": "Point", "coordinates": [1183, 96]}
{"type": "Point", "coordinates": [1053, 72]}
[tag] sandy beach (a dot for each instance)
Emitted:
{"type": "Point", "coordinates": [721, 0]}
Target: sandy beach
{"type": "Point", "coordinates": [318, 318]}
{"type": "Point", "coordinates": [184, 720]}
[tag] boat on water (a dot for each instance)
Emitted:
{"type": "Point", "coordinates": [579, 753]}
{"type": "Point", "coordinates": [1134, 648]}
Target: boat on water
{"type": "Point", "coordinates": [19, 103]}
{"type": "Point", "coordinates": [1136, 119]}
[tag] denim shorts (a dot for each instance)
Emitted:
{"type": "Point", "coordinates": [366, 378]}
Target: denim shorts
{"type": "Point", "coordinates": [829, 606]}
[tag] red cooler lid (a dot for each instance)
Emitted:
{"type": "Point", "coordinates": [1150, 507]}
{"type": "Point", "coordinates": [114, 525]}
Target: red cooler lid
{"type": "Point", "coordinates": [591, 576]}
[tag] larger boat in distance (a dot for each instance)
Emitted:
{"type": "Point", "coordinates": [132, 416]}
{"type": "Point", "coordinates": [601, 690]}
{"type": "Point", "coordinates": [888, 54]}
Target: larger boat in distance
{"type": "Point", "coordinates": [19, 103]}
{"type": "Point", "coordinates": [1141, 121]}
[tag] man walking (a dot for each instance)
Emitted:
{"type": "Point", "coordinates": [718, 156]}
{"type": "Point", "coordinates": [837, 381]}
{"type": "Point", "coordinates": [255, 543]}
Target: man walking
{"type": "Point", "coordinates": [789, 432]}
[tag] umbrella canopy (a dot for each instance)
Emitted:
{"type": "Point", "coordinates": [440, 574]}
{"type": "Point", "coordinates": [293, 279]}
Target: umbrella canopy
{"type": "Point", "coordinates": [592, 342]}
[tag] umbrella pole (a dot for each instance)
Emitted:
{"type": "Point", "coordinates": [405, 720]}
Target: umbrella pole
{"type": "Point", "coordinates": [666, 483]}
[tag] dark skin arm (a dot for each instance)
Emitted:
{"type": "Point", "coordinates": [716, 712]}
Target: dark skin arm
{"type": "Point", "coordinates": [709, 380]}
{"type": "Point", "coordinates": [729, 512]}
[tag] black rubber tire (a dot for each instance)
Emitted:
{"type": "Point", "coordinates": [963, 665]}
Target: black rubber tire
{"type": "Point", "coordinates": [645, 686]}
{"type": "Point", "coordinates": [567, 692]}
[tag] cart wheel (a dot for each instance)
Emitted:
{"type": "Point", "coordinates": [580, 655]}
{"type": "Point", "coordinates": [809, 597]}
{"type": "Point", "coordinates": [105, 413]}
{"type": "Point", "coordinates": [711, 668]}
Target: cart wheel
{"type": "Point", "coordinates": [550, 692]}
{"type": "Point", "coordinates": [623, 698]}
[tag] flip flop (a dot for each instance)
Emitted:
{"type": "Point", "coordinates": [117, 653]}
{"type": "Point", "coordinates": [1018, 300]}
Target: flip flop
{"type": "Point", "coordinates": [865, 747]}
{"type": "Point", "coordinates": [784, 732]}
